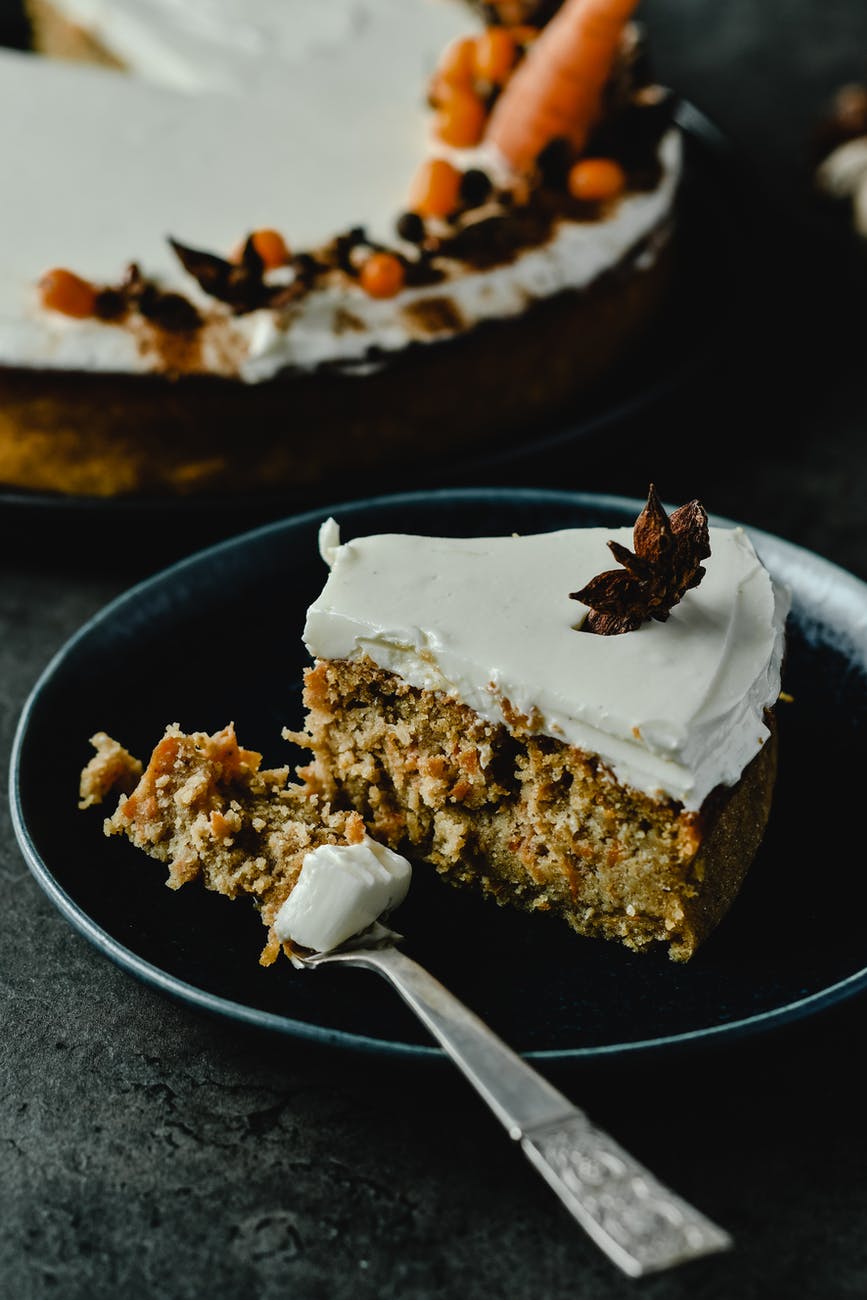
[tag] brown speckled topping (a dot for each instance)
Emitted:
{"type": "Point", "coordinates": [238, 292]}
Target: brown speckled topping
{"type": "Point", "coordinates": [438, 315]}
{"type": "Point", "coordinates": [345, 322]}
{"type": "Point", "coordinates": [173, 352]}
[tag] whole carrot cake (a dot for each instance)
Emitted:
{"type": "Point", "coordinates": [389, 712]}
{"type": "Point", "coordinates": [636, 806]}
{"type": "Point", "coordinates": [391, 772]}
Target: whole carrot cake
{"type": "Point", "coordinates": [265, 243]}
{"type": "Point", "coordinates": [596, 744]}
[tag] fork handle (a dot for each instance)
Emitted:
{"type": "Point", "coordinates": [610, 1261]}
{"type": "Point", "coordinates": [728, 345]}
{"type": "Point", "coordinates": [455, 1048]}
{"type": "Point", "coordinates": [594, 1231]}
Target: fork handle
{"type": "Point", "coordinates": [638, 1222]}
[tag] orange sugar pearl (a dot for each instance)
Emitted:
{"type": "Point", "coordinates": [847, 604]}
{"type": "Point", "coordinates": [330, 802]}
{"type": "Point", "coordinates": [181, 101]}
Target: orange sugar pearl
{"type": "Point", "coordinates": [64, 291]}
{"type": "Point", "coordinates": [596, 179]}
{"type": "Point", "coordinates": [269, 244]}
{"type": "Point", "coordinates": [382, 275]}
{"type": "Point", "coordinates": [457, 65]}
{"type": "Point", "coordinates": [461, 120]}
{"type": "Point", "coordinates": [435, 191]}
{"type": "Point", "coordinates": [271, 247]}
{"type": "Point", "coordinates": [495, 54]}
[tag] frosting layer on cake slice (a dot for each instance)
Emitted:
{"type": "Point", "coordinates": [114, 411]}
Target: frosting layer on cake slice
{"type": "Point", "coordinates": [674, 709]}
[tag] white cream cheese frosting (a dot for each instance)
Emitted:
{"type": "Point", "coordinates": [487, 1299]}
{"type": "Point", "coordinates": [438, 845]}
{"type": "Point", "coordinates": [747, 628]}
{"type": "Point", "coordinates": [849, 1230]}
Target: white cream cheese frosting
{"type": "Point", "coordinates": [674, 709]}
{"type": "Point", "coordinates": [342, 889]}
{"type": "Point", "coordinates": [309, 118]}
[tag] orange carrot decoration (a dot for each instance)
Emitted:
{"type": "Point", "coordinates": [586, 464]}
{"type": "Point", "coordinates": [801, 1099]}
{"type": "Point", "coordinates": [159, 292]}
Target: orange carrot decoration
{"type": "Point", "coordinates": [555, 90]}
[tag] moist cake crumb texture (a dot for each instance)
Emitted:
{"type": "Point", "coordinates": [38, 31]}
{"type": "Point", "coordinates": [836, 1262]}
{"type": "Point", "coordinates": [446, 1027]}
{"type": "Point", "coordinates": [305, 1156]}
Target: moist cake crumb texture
{"type": "Point", "coordinates": [531, 821]}
{"type": "Point", "coordinates": [206, 808]}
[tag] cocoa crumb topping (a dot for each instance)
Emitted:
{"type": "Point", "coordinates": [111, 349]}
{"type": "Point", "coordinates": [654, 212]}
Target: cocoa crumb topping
{"type": "Point", "coordinates": [135, 294]}
{"type": "Point", "coordinates": [171, 311]}
{"type": "Point", "coordinates": [438, 315]}
{"type": "Point", "coordinates": [346, 322]}
{"type": "Point", "coordinates": [177, 352]}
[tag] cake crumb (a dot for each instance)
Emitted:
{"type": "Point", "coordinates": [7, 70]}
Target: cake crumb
{"type": "Point", "coordinates": [206, 808]}
{"type": "Point", "coordinates": [111, 768]}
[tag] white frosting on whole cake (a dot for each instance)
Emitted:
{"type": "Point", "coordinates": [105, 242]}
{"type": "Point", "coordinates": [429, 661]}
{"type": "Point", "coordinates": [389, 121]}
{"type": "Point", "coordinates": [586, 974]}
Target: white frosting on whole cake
{"type": "Point", "coordinates": [342, 889]}
{"type": "Point", "coordinates": [674, 709]}
{"type": "Point", "coordinates": [308, 118]}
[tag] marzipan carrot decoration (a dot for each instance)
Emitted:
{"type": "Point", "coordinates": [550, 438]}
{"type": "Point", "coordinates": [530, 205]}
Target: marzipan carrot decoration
{"type": "Point", "coordinates": [556, 89]}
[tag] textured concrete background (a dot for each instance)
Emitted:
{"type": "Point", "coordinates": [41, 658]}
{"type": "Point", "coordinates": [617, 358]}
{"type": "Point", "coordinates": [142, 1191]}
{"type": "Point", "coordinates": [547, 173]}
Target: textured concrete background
{"type": "Point", "coordinates": [150, 1151]}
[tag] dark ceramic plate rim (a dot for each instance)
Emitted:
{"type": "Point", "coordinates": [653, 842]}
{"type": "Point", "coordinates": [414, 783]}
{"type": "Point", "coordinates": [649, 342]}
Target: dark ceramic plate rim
{"type": "Point", "coordinates": [824, 595]}
{"type": "Point", "coordinates": [715, 151]}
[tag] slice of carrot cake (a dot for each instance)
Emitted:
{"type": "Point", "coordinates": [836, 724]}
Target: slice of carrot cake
{"type": "Point", "coordinates": [606, 753]}
{"type": "Point", "coordinates": [598, 745]}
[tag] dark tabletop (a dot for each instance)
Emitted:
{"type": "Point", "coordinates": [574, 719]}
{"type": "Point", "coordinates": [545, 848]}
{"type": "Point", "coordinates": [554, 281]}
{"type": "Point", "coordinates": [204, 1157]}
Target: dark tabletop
{"type": "Point", "coordinates": [149, 1150]}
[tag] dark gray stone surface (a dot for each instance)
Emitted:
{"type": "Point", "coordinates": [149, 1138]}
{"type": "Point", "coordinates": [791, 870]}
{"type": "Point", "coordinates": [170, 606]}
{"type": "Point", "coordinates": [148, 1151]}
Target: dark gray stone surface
{"type": "Point", "coordinates": [149, 1151]}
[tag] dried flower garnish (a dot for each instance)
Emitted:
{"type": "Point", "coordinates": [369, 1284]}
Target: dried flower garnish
{"type": "Point", "coordinates": [666, 563]}
{"type": "Point", "coordinates": [241, 284]}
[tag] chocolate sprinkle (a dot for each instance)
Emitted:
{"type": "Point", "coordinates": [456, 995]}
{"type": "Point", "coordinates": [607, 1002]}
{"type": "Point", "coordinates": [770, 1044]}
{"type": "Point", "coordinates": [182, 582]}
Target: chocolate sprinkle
{"type": "Point", "coordinates": [475, 188]}
{"type": "Point", "coordinates": [111, 304]}
{"type": "Point", "coordinates": [305, 266]}
{"type": "Point", "coordinates": [171, 311]}
{"type": "Point", "coordinates": [410, 227]}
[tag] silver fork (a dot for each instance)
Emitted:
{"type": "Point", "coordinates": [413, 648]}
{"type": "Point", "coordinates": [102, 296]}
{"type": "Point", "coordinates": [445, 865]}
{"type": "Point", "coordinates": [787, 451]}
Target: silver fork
{"type": "Point", "coordinates": [640, 1224]}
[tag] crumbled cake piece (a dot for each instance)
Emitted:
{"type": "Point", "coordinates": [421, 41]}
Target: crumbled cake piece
{"type": "Point", "coordinates": [111, 768]}
{"type": "Point", "coordinates": [207, 808]}
{"type": "Point", "coordinates": [595, 743]}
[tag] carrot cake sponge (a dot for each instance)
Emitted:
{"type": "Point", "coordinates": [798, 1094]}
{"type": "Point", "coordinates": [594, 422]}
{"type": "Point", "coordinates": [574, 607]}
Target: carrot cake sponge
{"type": "Point", "coordinates": [600, 745]}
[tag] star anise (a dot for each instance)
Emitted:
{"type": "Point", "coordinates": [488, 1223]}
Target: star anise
{"type": "Point", "coordinates": [666, 563]}
{"type": "Point", "coordinates": [241, 284]}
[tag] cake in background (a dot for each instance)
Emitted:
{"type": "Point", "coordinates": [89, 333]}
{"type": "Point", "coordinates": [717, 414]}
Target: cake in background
{"type": "Point", "coordinates": [840, 153]}
{"type": "Point", "coordinates": [605, 755]}
{"type": "Point", "coordinates": [275, 242]}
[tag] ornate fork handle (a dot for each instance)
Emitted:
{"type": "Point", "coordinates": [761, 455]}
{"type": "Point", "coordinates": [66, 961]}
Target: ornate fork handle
{"type": "Point", "coordinates": [638, 1222]}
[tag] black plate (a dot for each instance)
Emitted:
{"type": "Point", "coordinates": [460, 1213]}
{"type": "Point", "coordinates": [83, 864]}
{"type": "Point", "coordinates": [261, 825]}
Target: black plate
{"type": "Point", "coordinates": [218, 637]}
{"type": "Point", "coordinates": [723, 258]}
